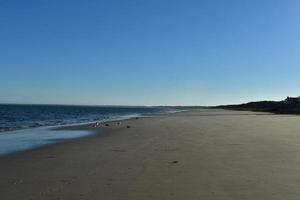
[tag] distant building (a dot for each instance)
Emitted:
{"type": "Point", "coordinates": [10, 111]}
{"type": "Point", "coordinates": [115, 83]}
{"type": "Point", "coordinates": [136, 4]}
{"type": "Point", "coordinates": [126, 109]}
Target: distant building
{"type": "Point", "coordinates": [292, 100]}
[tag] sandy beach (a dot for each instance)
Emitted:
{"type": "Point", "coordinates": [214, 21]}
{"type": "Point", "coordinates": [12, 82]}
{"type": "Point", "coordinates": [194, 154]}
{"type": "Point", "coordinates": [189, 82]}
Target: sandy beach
{"type": "Point", "coordinates": [200, 154]}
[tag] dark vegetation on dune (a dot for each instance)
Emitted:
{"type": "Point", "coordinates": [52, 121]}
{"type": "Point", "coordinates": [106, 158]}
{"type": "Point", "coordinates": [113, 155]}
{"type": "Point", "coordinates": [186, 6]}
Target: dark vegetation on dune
{"type": "Point", "coordinates": [287, 106]}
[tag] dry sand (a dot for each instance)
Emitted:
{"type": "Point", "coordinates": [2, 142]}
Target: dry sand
{"type": "Point", "coordinates": [201, 154]}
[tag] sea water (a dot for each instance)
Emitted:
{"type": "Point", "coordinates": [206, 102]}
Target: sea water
{"type": "Point", "coordinates": [24, 127]}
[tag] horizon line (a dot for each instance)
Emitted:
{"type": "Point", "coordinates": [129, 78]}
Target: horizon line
{"type": "Point", "coordinates": [104, 105]}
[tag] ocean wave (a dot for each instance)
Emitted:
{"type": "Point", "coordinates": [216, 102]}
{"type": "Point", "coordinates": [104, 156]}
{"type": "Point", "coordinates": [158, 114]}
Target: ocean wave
{"type": "Point", "coordinates": [16, 117]}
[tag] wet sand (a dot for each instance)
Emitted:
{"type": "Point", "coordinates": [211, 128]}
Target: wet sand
{"type": "Point", "coordinates": [201, 154]}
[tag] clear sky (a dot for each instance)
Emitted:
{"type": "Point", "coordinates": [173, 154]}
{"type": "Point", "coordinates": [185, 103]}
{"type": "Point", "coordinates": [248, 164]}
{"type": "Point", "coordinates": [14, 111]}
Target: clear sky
{"type": "Point", "coordinates": [148, 52]}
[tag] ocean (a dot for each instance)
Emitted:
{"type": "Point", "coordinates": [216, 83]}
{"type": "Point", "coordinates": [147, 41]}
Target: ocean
{"type": "Point", "coordinates": [24, 127]}
{"type": "Point", "coordinates": [14, 117]}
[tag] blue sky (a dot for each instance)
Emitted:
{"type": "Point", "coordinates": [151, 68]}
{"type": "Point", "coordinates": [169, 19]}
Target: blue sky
{"type": "Point", "coordinates": [148, 52]}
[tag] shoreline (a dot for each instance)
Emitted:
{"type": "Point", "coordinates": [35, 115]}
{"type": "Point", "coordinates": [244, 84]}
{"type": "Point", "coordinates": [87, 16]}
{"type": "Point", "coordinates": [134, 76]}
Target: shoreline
{"type": "Point", "coordinates": [34, 138]}
{"type": "Point", "coordinates": [200, 154]}
{"type": "Point", "coordinates": [53, 117]}
{"type": "Point", "coordinates": [72, 124]}
{"type": "Point", "coordinates": [87, 127]}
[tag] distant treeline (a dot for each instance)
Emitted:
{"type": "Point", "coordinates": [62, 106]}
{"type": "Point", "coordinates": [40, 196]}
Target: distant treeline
{"type": "Point", "coordinates": [278, 107]}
